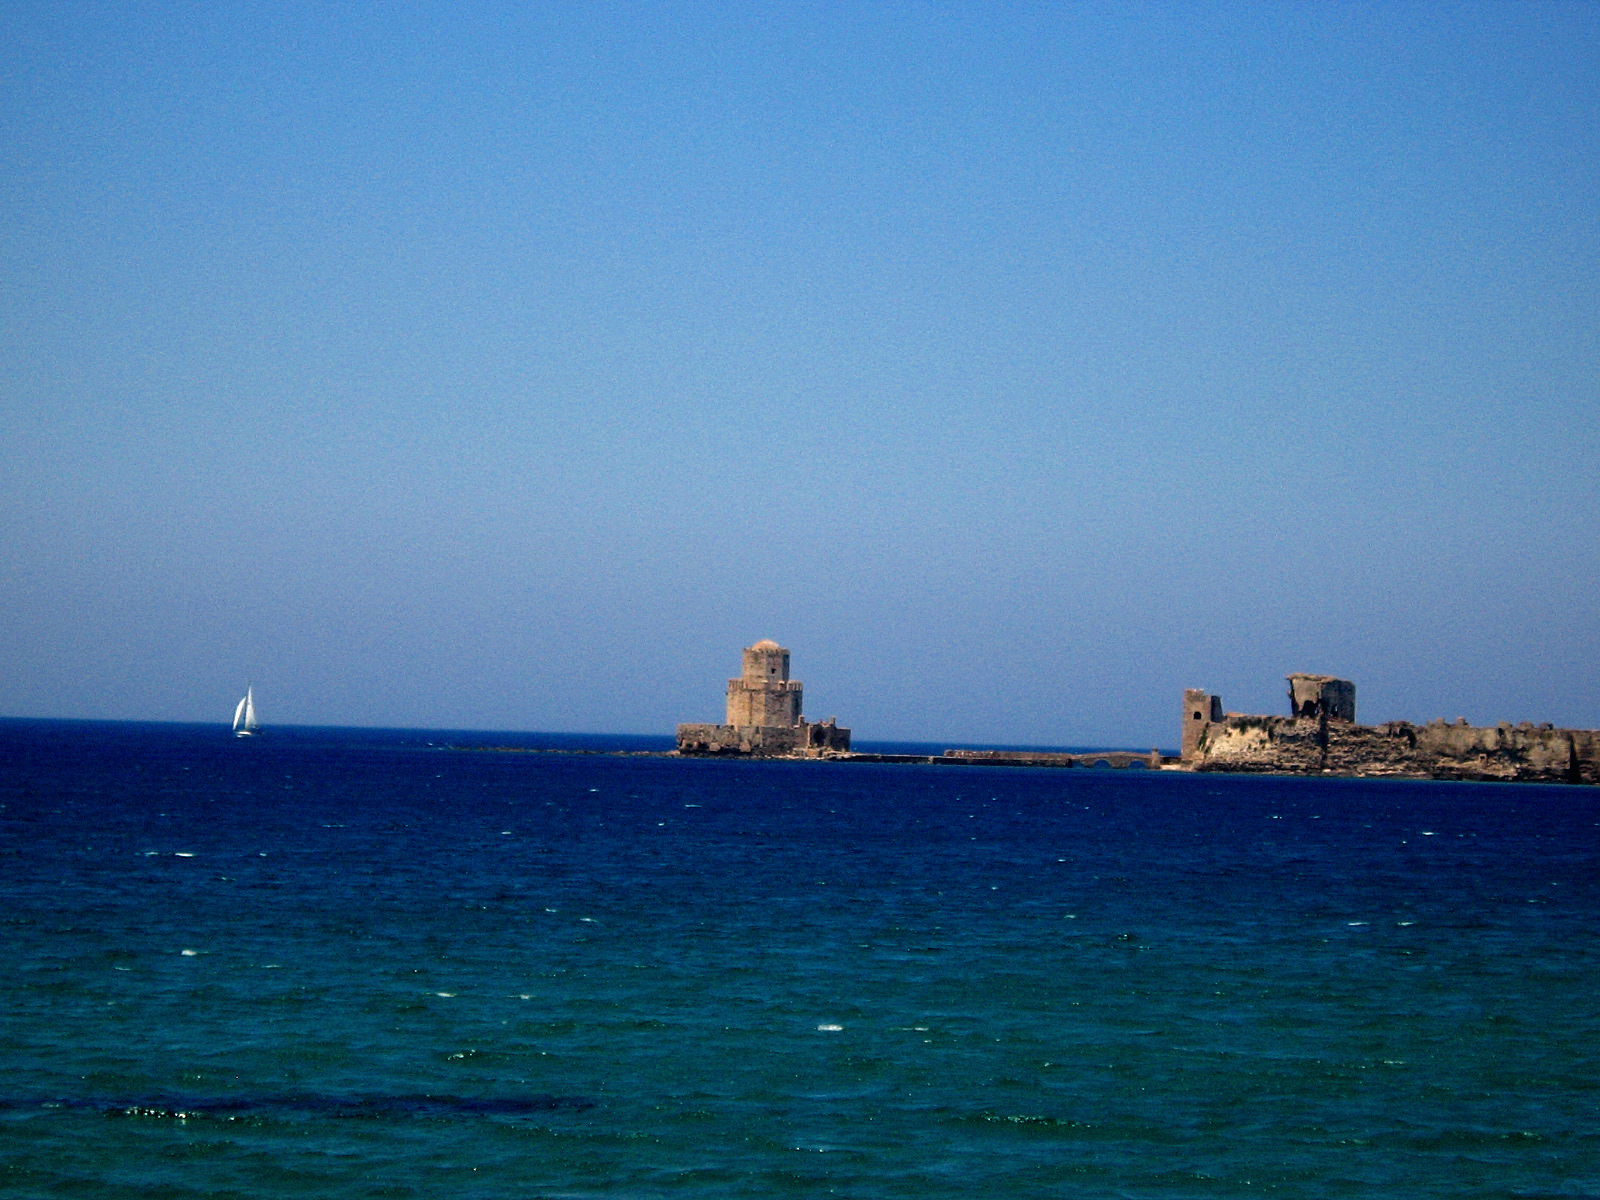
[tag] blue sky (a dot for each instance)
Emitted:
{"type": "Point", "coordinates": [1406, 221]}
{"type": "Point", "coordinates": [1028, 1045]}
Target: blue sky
{"type": "Point", "coordinates": [1016, 365]}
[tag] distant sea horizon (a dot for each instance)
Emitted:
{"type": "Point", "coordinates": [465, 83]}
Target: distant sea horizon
{"type": "Point", "coordinates": [580, 740]}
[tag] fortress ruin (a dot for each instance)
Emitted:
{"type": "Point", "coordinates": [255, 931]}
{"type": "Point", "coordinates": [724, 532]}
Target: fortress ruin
{"type": "Point", "coordinates": [765, 715]}
{"type": "Point", "coordinates": [1320, 736]}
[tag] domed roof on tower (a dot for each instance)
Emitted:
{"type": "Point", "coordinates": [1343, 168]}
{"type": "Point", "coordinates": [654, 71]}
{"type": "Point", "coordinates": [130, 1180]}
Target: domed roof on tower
{"type": "Point", "coordinates": [766, 644]}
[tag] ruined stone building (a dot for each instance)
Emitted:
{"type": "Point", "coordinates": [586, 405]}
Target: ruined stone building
{"type": "Point", "coordinates": [765, 715]}
{"type": "Point", "coordinates": [1320, 736]}
{"type": "Point", "coordinates": [1322, 697]}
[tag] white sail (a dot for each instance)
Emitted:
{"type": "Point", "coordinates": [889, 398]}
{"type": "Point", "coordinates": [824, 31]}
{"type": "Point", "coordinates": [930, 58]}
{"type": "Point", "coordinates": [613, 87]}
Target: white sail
{"type": "Point", "coordinates": [244, 717]}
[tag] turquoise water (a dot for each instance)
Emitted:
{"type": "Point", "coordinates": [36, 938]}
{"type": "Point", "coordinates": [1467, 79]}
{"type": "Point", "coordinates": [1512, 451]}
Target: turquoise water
{"type": "Point", "coordinates": [362, 964]}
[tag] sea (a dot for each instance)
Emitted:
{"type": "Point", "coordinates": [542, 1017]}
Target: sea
{"type": "Point", "coordinates": [343, 963]}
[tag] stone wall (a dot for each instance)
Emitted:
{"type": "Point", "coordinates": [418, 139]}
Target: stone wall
{"type": "Point", "coordinates": [805, 740]}
{"type": "Point", "coordinates": [1057, 758]}
{"type": "Point", "coordinates": [769, 704]}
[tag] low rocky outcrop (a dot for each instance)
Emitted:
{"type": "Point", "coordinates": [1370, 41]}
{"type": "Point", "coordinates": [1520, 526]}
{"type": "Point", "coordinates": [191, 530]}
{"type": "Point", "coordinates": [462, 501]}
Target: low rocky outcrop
{"type": "Point", "coordinates": [1320, 739]}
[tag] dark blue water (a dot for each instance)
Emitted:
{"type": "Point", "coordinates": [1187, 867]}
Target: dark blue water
{"type": "Point", "coordinates": [341, 963]}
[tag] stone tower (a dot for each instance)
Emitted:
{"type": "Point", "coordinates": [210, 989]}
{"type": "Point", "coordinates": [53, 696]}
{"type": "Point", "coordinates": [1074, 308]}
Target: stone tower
{"type": "Point", "coordinates": [765, 695]}
{"type": "Point", "coordinates": [764, 718]}
{"type": "Point", "coordinates": [1200, 708]}
{"type": "Point", "coordinates": [1322, 696]}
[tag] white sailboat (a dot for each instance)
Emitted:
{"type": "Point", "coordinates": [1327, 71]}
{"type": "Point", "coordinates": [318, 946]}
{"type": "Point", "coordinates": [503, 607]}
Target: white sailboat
{"type": "Point", "coordinates": [244, 717]}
